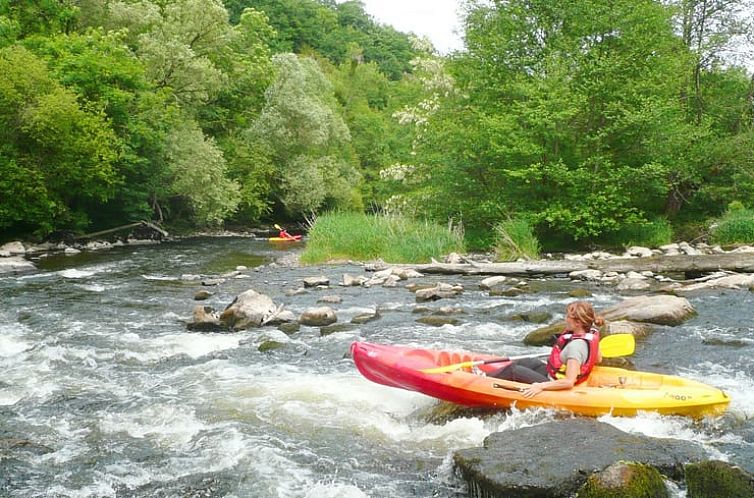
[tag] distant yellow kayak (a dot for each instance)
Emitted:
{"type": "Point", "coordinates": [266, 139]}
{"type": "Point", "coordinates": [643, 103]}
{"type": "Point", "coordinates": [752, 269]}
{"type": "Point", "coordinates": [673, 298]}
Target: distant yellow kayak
{"type": "Point", "coordinates": [293, 238]}
{"type": "Point", "coordinates": [608, 390]}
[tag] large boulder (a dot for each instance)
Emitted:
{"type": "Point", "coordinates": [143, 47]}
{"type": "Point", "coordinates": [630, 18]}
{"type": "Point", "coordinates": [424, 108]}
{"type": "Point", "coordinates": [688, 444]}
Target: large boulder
{"type": "Point", "coordinates": [439, 291]}
{"type": "Point", "coordinates": [248, 309]}
{"type": "Point", "coordinates": [205, 319]}
{"type": "Point", "coordinates": [660, 309]}
{"type": "Point", "coordinates": [318, 317]}
{"type": "Point", "coordinates": [734, 281]}
{"type": "Point", "coordinates": [15, 264]}
{"type": "Point", "coordinates": [554, 460]}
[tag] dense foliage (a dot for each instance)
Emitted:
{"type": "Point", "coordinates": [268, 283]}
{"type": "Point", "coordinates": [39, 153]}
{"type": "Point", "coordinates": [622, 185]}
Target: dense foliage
{"type": "Point", "coordinates": [597, 122]}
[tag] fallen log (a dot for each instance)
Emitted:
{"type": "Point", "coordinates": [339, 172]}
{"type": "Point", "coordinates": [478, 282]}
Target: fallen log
{"type": "Point", "coordinates": [706, 263]}
{"type": "Point", "coordinates": [144, 224]}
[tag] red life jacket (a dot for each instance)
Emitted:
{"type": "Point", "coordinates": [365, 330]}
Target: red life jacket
{"type": "Point", "coordinates": [556, 368]}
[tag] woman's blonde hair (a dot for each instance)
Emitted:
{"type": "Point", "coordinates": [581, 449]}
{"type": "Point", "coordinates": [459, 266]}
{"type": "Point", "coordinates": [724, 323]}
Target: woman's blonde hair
{"type": "Point", "coordinates": [583, 312]}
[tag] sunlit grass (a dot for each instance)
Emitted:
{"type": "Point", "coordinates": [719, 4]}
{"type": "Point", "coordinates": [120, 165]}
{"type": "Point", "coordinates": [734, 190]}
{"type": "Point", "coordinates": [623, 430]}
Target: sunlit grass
{"type": "Point", "coordinates": [736, 226]}
{"type": "Point", "coordinates": [515, 239]}
{"type": "Point", "coordinates": [394, 239]}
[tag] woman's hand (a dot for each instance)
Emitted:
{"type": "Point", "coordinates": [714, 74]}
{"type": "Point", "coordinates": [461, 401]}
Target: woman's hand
{"type": "Point", "coordinates": [532, 390]}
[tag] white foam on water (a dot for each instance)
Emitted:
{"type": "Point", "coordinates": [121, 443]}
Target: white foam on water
{"type": "Point", "coordinates": [518, 419]}
{"type": "Point", "coordinates": [97, 490]}
{"type": "Point", "coordinates": [334, 490]}
{"type": "Point", "coordinates": [165, 425]}
{"type": "Point", "coordinates": [514, 303]}
{"type": "Point", "coordinates": [353, 310]}
{"type": "Point", "coordinates": [74, 273]}
{"type": "Point", "coordinates": [12, 343]}
{"type": "Point", "coordinates": [67, 439]}
{"type": "Point", "coordinates": [91, 287]}
{"type": "Point", "coordinates": [342, 402]}
{"type": "Point", "coordinates": [35, 276]}
{"type": "Point", "coordinates": [160, 277]}
{"type": "Point", "coordinates": [391, 306]}
{"type": "Point", "coordinates": [737, 385]}
{"type": "Point", "coordinates": [153, 349]}
{"type": "Point", "coordinates": [652, 424]}
{"type": "Point", "coordinates": [496, 331]}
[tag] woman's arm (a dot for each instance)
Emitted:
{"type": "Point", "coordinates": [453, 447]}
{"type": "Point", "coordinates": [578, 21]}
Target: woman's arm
{"type": "Point", "coordinates": [573, 367]}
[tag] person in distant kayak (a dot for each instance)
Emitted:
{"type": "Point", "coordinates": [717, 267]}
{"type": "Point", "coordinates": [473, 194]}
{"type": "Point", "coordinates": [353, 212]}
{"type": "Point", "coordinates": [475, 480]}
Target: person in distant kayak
{"type": "Point", "coordinates": [575, 352]}
{"type": "Point", "coordinates": [283, 234]}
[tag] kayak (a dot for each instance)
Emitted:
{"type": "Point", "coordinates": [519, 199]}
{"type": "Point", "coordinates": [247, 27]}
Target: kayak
{"type": "Point", "coordinates": [293, 238]}
{"type": "Point", "coordinates": [608, 390]}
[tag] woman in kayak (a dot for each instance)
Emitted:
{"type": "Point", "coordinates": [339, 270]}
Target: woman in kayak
{"type": "Point", "coordinates": [575, 352]}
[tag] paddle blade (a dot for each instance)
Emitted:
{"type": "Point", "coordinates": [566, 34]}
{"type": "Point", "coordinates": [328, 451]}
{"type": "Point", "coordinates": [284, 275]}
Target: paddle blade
{"type": "Point", "coordinates": [615, 345]}
{"type": "Point", "coordinates": [277, 227]}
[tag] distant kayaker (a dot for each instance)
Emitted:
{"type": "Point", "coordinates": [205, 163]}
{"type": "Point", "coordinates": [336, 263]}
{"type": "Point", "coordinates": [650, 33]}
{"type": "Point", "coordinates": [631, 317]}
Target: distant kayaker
{"type": "Point", "coordinates": [575, 352]}
{"type": "Point", "coordinates": [283, 234]}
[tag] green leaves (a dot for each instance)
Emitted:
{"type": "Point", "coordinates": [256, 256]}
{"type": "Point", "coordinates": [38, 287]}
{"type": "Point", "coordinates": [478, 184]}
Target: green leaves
{"type": "Point", "coordinates": [302, 124]}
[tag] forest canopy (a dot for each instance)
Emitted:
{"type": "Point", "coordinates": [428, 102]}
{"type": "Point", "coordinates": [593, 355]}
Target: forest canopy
{"type": "Point", "coordinates": [589, 121]}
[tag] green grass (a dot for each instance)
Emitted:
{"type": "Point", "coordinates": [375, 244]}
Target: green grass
{"type": "Point", "coordinates": [515, 239]}
{"type": "Point", "coordinates": [653, 233]}
{"type": "Point", "coordinates": [736, 226]}
{"type": "Point", "coordinates": [394, 239]}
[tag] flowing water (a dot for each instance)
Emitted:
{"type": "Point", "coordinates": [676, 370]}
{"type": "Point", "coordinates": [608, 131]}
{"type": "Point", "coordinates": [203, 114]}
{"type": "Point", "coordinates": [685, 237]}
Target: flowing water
{"type": "Point", "coordinates": [106, 394]}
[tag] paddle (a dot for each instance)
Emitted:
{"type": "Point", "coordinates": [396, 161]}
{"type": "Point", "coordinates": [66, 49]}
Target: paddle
{"type": "Point", "coordinates": [611, 346]}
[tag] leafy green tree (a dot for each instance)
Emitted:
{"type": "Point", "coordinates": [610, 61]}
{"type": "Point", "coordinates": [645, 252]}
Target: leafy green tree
{"type": "Point", "coordinates": [44, 17]}
{"type": "Point", "coordinates": [65, 150]}
{"type": "Point", "coordinates": [198, 176]}
{"type": "Point", "coordinates": [308, 138]}
{"type": "Point", "coordinates": [555, 105]}
{"type": "Point", "coordinates": [330, 28]}
{"type": "Point", "coordinates": [105, 74]}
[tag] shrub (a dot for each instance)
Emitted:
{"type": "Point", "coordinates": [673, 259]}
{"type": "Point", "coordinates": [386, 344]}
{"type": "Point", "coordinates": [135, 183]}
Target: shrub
{"type": "Point", "coordinates": [515, 239]}
{"type": "Point", "coordinates": [392, 238]}
{"type": "Point", "coordinates": [736, 226]}
{"type": "Point", "coordinates": [652, 233]}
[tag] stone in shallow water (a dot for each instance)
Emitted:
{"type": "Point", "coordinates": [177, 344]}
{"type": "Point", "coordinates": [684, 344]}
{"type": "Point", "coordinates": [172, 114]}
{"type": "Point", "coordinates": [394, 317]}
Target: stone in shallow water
{"type": "Point", "coordinates": [555, 459]}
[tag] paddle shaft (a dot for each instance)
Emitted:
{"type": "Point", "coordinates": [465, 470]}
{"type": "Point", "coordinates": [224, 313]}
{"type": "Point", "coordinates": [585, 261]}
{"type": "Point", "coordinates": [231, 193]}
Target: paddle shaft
{"type": "Point", "coordinates": [610, 347]}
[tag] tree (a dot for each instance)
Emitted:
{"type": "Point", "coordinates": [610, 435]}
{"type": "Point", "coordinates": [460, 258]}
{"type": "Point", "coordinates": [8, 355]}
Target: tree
{"type": "Point", "coordinates": [554, 107]}
{"type": "Point", "coordinates": [308, 138]}
{"type": "Point", "coordinates": [57, 154]}
{"type": "Point", "coordinates": [198, 177]}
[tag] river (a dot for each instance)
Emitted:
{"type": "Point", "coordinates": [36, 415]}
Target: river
{"type": "Point", "coordinates": [115, 398]}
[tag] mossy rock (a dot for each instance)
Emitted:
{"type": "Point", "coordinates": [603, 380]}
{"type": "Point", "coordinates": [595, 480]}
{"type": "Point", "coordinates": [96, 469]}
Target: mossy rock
{"type": "Point", "coordinates": [443, 412]}
{"type": "Point", "coordinates": [336, 327]}
{"type": "Point", "coordinates": [438, 321]}
{"type": "Point", "coordinates": [509, 292]}
{"type": "Point", "coordinates": [579, 293]}
{"type": "Point", "coordinates": [531, 317]}
{"type": "Point", "coordinates": [289, 328]}
{"type": "Point", "coordinates": [625, 480]}
{"type": "Point", "coordinates": [714, 478]}
{"type": "Point", "coordinates": [270, 346]}
{"type": "Point", "coordinates": [544, 336]}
